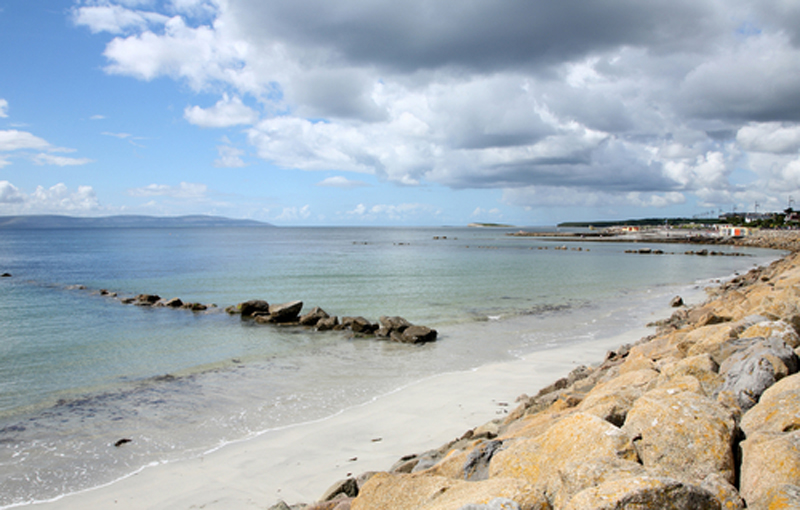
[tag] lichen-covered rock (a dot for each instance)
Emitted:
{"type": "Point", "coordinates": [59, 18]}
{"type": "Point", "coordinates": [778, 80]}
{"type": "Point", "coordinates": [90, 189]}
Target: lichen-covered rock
{"type": "Point", "coordinates": [750, 372]}
{"type": "Point", "coordinates": [767, 329]}
{"type": "Point", "coordinates": [727, 495]}
{"type": "Point", "coordinates": [580, 437]}
{"type": "Point", "coordinates": [701, 367]}
{"type": "Point", "coordinates": [769, 460]}
{"type": "Point", "coordinates": [683, 435]}
{"type": "Point", "coordinates": [419, 492]}
{"type": "Point", "coordinates": [778, 409]}
{"type": "Point", "coordinates": [781, 497]}
{"type": "Point", "coordinates": [576, 477]}
{"type": "Point", "coordinates": [644, 493]}
{"type": "Point", "coordinates": [611, 400]}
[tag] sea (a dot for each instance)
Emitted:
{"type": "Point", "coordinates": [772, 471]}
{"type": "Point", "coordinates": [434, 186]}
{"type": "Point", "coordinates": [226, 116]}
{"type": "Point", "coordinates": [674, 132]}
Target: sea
{"type": "Point", "coordinates": [79, 370]}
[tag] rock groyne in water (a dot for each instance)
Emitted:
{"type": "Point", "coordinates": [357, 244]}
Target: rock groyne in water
{"type": "Point", "coordinates": [704, 414]}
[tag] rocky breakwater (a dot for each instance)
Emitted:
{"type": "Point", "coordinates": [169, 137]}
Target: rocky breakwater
{"type": "Point", "coordinates": [393, 328]}
{"type": "Point", "coordinates": [704, 414]}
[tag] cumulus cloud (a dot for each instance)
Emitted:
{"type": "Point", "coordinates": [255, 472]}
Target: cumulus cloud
{"type": "Point", "coordinates": [291, 214]}
{"type": "Point", "coordinates": [13, 140]}
{"type": "Point", "coordinates": [229, 157]}
{"type": "Point", "coordinates": [185, 190]}
{"type": "Point", "coordinates": [640, 103]}
{"type": "Point", "coordinates": [58, 199]}
{"type": "Point", "coordinates": [18, 144]}
{"type": "Point", "coordinates": [226, 113]}
{"type": "Point", "coordinates": [394, 212]}
{"type": "Point", "coordinates": [341, 182]}
{"type": "Point", "coordinates": [3, 108]}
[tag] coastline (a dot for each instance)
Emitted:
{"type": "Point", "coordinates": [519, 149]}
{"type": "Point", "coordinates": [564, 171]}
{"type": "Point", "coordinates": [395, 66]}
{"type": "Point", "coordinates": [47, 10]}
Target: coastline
{"type": "Point", "coordinates": [309, 457]}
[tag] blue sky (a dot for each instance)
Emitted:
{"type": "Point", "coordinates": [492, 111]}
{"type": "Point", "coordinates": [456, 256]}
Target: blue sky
{"type": "Point", "coordinates": [355, 112]}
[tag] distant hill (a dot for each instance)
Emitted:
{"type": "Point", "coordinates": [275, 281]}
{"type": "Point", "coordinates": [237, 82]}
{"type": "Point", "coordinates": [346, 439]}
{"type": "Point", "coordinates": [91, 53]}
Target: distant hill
{"type": "Point", "coordinates": [123, 221]}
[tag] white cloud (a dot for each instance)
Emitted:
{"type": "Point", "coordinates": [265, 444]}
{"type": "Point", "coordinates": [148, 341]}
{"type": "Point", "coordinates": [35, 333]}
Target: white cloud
{"type": "Point", "coordinates": [49, 159]}
{"type": "Point", "coordinates": [58, 199]}
{"type": "Point", "coordinates": [643, 104]}
{"type": "Point", "coordinates": [290, 214]}
{"type": "Point", "coordinates": [399, 212]}
{"type": "Point", "coordinates": [771, 137]}
{"type": "Point", "coordinates": [3, 108]}
{"type": "Point", "coordinates": [13, 140]}
{"type": "Point", "coordinates": [229, 157]}
{"type": "Point", "coordinates": [97, 117]}
{"type": "Point", "coordinates": [341, 182]}
{"type": "Point", "coordinates": [480, 212]}
{"type": "Point", "coordinates": [115, 19]}
{"type": "Point", "coordinates": [226, 113]}
{"type": "Point", "coordinates": [185, 190]}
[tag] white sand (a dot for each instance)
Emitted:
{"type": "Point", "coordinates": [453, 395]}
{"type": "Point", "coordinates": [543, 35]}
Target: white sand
{"type": "Point", "coordinates": [298, 463]}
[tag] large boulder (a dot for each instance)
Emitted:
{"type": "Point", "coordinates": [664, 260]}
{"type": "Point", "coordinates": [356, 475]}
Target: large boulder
{"type": "Point", "coordinates": [147, 299]}
{"type": "Point", "coordinates": [282, 313]}
{"type": "Point", "coordinates": [415, 335]}
{"type": "Point", "coordinates": [769, 461]}
{"type": "Point", "coordinates": [611, 400]}
{"type": "Point", "coordinates": [683, 435]}
{"type": "Point", "coordinates": [388, 325]}
{"type": "Point", "coordinates": [313, 317]}
{"type": "Point", "coordinates": [778, 409]}
{"type": "Point", "coordinates": [642, 493]}
{"type": "Point", "coordinates": [421, 492]}
{"type": "Point", "coordinates": [252, 307]}
{"type": "Point", "coordinates": [574, 439]}
{"type": "Point", "coordinates": [748, 373]}
{"type": "Point", "coordinates": [359, 325]}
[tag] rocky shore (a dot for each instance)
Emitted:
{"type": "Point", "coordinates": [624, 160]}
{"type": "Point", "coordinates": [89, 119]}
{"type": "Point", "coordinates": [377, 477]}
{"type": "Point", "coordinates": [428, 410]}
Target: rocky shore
{"type": "Point", "coordinates": [703, 414]}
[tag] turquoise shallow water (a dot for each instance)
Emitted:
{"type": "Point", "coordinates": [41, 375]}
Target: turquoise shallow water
{"type": "Point", "coordinates": [79, 371]}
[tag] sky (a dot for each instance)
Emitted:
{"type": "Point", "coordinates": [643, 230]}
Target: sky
{"type": "Point", "coordinates": [379, 112]}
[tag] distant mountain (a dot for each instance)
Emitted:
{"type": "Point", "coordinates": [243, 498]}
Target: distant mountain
{"type": "Point", "coordinates": [124, 221]}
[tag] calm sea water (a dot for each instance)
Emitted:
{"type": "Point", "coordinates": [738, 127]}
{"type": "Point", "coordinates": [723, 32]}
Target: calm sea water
{"type": "Point", "coordinates": [78, 370]}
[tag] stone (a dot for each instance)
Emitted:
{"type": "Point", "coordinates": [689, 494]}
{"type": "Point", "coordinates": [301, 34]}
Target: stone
{"type": "Point", "coordinates": [702, 367]}
{"type": "Point", "coordinates": [174, 303]}
{"type": "Point", "coordinates": [644, 492]}
{"type": "Point", "coordinates": [724, 492]}
{"type": "Point", "coordinates": [576, 438]}
{"type": "Point", "coordinates": [778, 410]}
{"type": "Point", "coordinates": [476, 466]}
{"type": "Point", "coordinates": [391, 324]}
{"type": "Point", "coordinates": [285, 312]}
{"type": "Point", "coordinates": [147, 299]}
{"type": "Point", "coordinates": [750, 372]}
{"type": "Point", "coordinates": [248, 308]}
{"type": "Point", "coordinates": [327, 324]}
{"type": "Point", "coordinates": [682, 435]}
{"type": "Point", "coordinates": [613, 399]}
{"type": "Point", "coordinates": [347, 487]}
{"type": "Point", "coordinates": [576, 477]}
{"type": "Point", "coordinates": [5, 275]}
{"type": "Point", "coordinates": [415, 335]}
{"type": "Point", "coordinates": [495, 504]}
{"type": "Point", "coordinates": [676, 302]}
{"type": "Point", "coordinates": [784, 496]}
{"type": "Point", "coordinates": [769, 460]}
{"type": "Point", "coordinates": [420, 492]}
{"type": "Point", "coordinates": [768, 329]}
{"type": "Point", "coordinates": [313, 317]}
{"type": "Point", "coordinates": [359, 325]}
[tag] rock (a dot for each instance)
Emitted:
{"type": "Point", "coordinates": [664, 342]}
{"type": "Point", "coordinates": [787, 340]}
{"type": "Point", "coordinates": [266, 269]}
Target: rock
{"type": "Point", "coordinates": [127, 301]}
{"type": "Point", "coordinates": [391, 324]}
{"type": "Point", "coordinates": [313, 317]}
{"type": "Point", "coordinates": [778, 410]}
{"type": "Point", "coordinates": [701, 367]}
{"type": "Point", "coordinates": [286, 312]}
{"type": "Point", "coordinates": [769, 329]}
{"type": "Point", "coordinates": [676, 302]}
{"type": "Point", "coordinates": [576, 477]}
{"type": "Point", "coordinates": [248, 308]}
{"type": "Point", "coordinates": [327, 324]}
{"type": "Point", "coordinates": [5, 275]}
{"type": "Point", "coordinates": [642, 493]}
{"type": "Point", "coordinates": [579, 437]}
{"type": "Point", "coordinates": [477, 465]}
{"type": "Point", "coordinates": [147, 299]}
{"type": "Point", "coordinates": [495, 504]}
{"type": "Point", "coordinates": [347, 487]}
{"type": "Point", "coordinates": [415, 335]}
{"type": "Point", "coordinates": [682, 435]}
{"type": "Point", "coordinates": [750, 372]}
{"type": "Point", "coordinates": [769, 460]}
{"type": "Point", "coordinates": [174, 303]}
{"type": "Point", "coordinates": [782, 496]}
{"type": "Point", "coordinates": [613, 399]}
{"type": "Point", "coordinates": [420, 492]}
{"type": "Point", "coordinates": [359, 325]}
{"type": "Point", "coordinates": [724, 492]}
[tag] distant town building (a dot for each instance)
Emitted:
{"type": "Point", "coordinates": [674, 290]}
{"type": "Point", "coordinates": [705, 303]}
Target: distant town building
{"type": "Point", "coordinates": [732, 231]}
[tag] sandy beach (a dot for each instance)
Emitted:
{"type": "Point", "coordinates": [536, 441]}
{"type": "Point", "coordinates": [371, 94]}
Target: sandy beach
{"type": "Point", "coordinates": [298, 463]}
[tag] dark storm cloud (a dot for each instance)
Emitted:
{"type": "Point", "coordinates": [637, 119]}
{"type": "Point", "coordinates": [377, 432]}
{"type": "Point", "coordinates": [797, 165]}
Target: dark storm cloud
{"type": "Point", "coordinates": [478, 35]}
